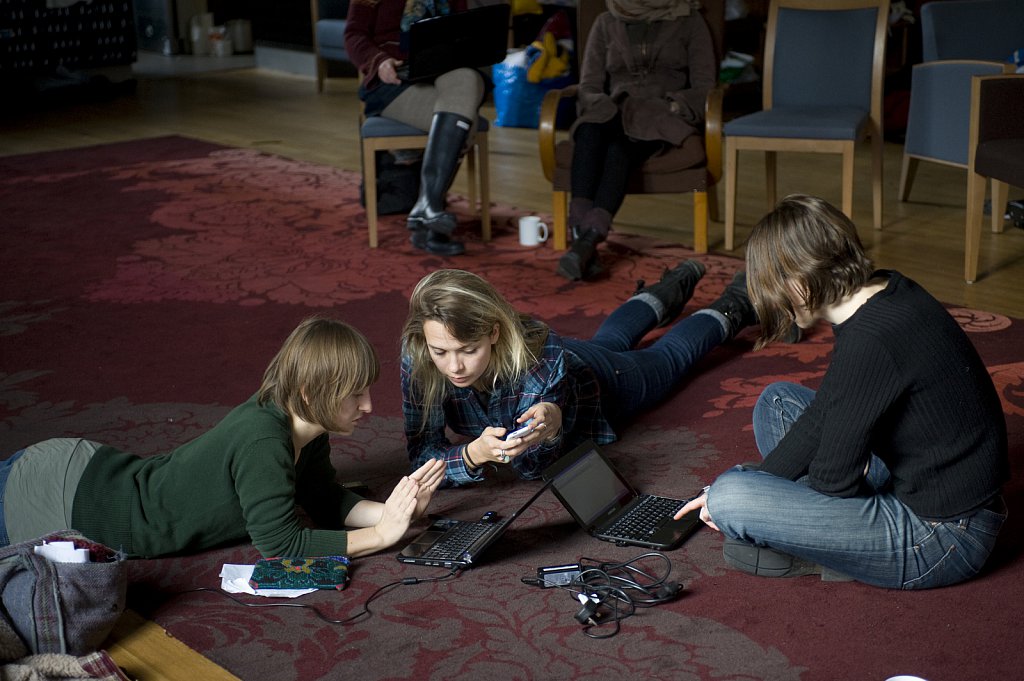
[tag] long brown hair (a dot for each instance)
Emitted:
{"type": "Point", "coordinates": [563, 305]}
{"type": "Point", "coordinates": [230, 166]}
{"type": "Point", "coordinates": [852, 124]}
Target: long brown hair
{"type": "Point", "coordinates": [322, 362]}
{"type": "Point", "coordinates": [469, 308]}
{"type": "Point", "coordinates": [805, 249]}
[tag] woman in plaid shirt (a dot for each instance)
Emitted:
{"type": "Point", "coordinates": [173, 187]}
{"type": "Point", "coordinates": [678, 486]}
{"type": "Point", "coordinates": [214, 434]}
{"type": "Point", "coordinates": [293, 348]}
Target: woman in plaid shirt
{"type": "Point", "coordinates": [473, 365]}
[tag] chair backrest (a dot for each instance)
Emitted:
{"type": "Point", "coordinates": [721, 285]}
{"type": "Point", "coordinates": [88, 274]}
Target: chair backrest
{"type": "Point", "coordinates": [971, 29]}
{"type": "Point", "coordinates": [713, 12]}
{"type": "Point", "coordinates": [998, 110]}
{"type": "Point", "coordinates": [825, 53]}
{"type": "Point", "coordinates": [940, 108]}
{"type": "Point", "coordinates": [997, 129]}
{"type": "Point", "coordinates": [331, 9]}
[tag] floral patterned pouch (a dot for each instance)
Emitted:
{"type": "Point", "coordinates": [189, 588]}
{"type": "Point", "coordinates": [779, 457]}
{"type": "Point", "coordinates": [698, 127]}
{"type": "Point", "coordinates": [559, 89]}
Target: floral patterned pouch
{"type": "Point", "coordinates": [318, 572]}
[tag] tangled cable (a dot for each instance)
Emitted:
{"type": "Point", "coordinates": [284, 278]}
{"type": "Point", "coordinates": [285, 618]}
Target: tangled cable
{"type": "Point", "coordinates": [609, 592]}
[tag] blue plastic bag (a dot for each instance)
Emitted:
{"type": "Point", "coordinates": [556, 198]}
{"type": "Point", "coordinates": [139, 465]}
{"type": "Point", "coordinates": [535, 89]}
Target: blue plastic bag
{"type": "Point", "coordinates": [516, 99]}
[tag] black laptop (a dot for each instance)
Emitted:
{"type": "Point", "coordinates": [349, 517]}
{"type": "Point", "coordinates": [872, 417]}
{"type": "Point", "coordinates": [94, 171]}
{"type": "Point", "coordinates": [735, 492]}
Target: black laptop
{"type": "Point", "coordinates": [604, 503]}
{"type": "Point", "coordinates": [459, 543]}
{"type": "Point", "coordinates": [475, 38]}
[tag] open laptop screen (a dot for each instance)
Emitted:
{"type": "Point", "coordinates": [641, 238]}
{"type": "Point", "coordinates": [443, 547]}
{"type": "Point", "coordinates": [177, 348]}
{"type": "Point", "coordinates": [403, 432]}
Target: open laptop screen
{"type": "Point", "coordinates": [591, 489]}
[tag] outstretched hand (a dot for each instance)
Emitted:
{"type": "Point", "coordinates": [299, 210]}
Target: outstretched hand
{"type": "Point", "coordinates": [700, 503]}
{"type": "Point", "coordinates": [428, 477]}
{"type": "Point", "coordinates": [398, 512]}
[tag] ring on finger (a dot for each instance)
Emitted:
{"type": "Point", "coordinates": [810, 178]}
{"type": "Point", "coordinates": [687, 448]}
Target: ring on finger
{"type": "Point", "coordinates": [503, 457]}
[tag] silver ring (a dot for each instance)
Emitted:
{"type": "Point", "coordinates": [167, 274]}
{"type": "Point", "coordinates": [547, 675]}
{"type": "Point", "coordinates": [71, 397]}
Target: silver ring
{"type": "Point", "coordinates": [503, 457]}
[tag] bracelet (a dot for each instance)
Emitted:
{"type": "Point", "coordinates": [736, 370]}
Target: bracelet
{"type": "Point", "coordinates": [465, 453]}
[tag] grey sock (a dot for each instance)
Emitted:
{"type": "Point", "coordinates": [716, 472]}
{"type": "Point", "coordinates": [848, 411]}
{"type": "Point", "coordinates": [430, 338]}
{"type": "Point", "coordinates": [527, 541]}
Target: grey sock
{"type": "Point", "coordinates": [653, 302]}
{"type": "Point", "coordinates": [722, 319]}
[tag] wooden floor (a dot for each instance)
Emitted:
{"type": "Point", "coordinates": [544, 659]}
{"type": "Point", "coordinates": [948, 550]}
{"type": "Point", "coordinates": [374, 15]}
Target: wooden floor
{"type": "Point", "coordinates": [283, 114]}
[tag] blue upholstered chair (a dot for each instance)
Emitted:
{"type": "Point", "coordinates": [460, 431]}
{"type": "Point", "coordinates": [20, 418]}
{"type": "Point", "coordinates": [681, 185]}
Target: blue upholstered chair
{"type": "Point", "coordinates": [971, 29]}
{"type": "Point", "coordinates": [940, 111]}
{"type": "Point", "coordinates": [379, 133]}
{"type": "Point", "coordinates": [960, 39]}
{"type": "Point", "coordinates": [822, 92]}
{"type": "Point", "coordinates": [996, 151]}
{"type": "Point", "coordinates": [329, 18]}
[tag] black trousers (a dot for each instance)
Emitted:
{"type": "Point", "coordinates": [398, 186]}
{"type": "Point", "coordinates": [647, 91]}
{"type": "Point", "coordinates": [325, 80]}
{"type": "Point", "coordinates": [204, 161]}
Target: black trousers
{"type": "Point", "coordinates": [603, 159]}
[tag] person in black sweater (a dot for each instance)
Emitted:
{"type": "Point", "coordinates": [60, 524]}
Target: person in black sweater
{"type": "Point", "coordinates": [889, 473]}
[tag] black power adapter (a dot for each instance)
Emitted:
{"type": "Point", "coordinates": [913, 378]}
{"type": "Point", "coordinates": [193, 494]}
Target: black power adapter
{"type": "Point", "coordinates": [558, 575]}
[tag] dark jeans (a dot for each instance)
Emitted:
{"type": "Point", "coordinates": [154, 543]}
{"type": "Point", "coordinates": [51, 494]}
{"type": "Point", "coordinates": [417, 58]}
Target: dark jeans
{"type": "Point", "coordinates": [633, 381]}
{"type": "Point", "coordinates": [603, 158]}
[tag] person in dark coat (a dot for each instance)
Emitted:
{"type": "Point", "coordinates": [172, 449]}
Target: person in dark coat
{"type": "Point", "coordinates": [647, 69]}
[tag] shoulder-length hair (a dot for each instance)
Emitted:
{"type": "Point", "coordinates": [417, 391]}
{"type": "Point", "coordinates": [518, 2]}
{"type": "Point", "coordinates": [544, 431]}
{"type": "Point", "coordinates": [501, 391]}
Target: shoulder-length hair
{"type": "Point", "coordinates": [470, 309]}
{"type": "Point", "coordinates": [322, 362]}
{"type": "Point", "coordinates": [804, 252]}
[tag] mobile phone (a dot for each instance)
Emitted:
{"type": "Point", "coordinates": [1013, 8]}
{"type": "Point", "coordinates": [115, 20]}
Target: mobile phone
{"type": "Point", "coordinates": [522, 431]}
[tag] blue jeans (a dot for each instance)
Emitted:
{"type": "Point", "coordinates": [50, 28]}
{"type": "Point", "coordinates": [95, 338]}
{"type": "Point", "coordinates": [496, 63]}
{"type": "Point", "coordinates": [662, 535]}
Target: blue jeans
{"type": "Point", "coordinates": [632, 380]}
{"type": "Point", "coordinates": [874, 539]}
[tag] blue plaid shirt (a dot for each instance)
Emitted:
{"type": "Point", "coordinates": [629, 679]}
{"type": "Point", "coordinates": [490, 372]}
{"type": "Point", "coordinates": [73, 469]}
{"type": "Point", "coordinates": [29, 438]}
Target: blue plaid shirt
{"type": "Point", "coordinates": [559, 377]}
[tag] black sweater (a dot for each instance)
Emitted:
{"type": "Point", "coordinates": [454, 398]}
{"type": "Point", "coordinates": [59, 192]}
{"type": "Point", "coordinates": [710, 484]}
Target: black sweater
{"type": "Point", "coordinates": [906, 384]}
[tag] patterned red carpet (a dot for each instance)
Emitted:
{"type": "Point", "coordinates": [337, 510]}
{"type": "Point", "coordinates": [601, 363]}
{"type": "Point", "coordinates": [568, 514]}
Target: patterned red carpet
{"type": "Point", "coordinates": [146, 285]}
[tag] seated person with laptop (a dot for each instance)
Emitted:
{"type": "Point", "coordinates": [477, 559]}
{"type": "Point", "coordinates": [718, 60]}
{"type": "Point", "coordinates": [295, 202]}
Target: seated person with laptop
{"type": "Point", "coordinates": [377, 39]}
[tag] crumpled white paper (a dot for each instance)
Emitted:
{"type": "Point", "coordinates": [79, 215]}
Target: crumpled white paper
{"type": "Point", "coordinates": [235, 580]}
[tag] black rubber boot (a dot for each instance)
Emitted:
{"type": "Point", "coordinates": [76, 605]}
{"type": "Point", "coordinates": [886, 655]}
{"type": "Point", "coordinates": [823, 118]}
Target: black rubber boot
{"type": "Point", "coordinates": [581, 262]}
{"type": "Point", "coordinates": [436, 242]}
{"type": "Point", "coordinates": [734, 304]}
{"type": "Point", "coordinates": [448, 134]}
{"type": "Point", "coordinates": [674, 289]}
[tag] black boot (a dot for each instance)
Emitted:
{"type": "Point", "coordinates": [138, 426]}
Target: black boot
{"type": "Point", "coordinates": [581, 262]}
{"type": "Point", "coordinates": [448, 133]}
{"type": "Point", "coordinates": [674, 289]}
{"type": "Point", "coordinates": [436, 242]}
{"type": "Point", "coordinates": [734, 304]}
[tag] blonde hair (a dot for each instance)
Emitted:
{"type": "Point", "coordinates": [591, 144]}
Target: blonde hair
{"type": "Point", "coordinates": [322, 362]}
{"type": "Point", "coordinates": [469, 308]}
{"type": "Point", "coordinates": [804, 248]}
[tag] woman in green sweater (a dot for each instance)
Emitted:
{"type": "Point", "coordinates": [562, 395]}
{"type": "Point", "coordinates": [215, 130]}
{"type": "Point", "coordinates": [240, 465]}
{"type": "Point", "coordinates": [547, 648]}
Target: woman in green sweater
{"type": "Point", "coordinates": [239, 480]}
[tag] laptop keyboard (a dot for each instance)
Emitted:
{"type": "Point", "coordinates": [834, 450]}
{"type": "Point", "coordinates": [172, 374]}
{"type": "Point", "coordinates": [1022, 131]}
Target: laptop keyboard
{"type": "Point", "coordinates": [644, 518]}
{"type": "Point", "coordinates": [457, 540]}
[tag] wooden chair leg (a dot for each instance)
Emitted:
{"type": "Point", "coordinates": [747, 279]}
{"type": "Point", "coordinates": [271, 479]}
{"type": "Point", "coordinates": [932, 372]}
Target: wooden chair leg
{"type": "Point", "coordinates": [907, 173]}
{"type": "Point", "coordinates": [876, 178]}
{"type": "Point", "coordinates": [560, 219]}
{"type": "Point", "coordinates": [848, 180]}
{"type": "Point", "coordinates": [370, 191]}
{"type": "Point", "coordinates": [700, 222]}
{"type": "Point", "coordinates": [771, 179]}
{"type": "Point", "coordinates": [483, 167]}
{"type": "Point", "coordinates": [321, 72]}
{"type": "Point", "coordinates": [731, 156]}
{"type": "Point", "coordinates": [999, 194]}
{"type": "Point", "coordinates": [972, 233]}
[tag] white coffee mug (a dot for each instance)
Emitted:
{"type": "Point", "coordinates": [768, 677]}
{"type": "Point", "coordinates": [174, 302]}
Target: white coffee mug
{"type": "Point", "coordinates": [532, 231]}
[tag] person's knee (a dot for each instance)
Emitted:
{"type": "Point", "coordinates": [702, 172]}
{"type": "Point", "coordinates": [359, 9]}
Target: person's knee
{"type": "Point", "coordinates": [460, 91]}
{"type": "Point", "coordinates": [731, 498]}
{"type": "Point", "coordinates": [767, 405]}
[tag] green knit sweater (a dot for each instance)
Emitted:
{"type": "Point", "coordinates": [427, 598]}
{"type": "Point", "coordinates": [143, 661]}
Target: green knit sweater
{"type": "Point", "coordinates": [238, 480]}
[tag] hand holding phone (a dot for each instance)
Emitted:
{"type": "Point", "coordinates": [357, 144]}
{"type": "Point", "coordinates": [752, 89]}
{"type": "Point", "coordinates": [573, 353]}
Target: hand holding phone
{"type": "Point", "coordinates": [522, 431]}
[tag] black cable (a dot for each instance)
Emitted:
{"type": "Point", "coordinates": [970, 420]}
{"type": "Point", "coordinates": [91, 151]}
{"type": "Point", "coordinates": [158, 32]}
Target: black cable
{"type": "Point", "coordinates": [610, 592]}
{"type": "Point", "coordinates": [405, 581]}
